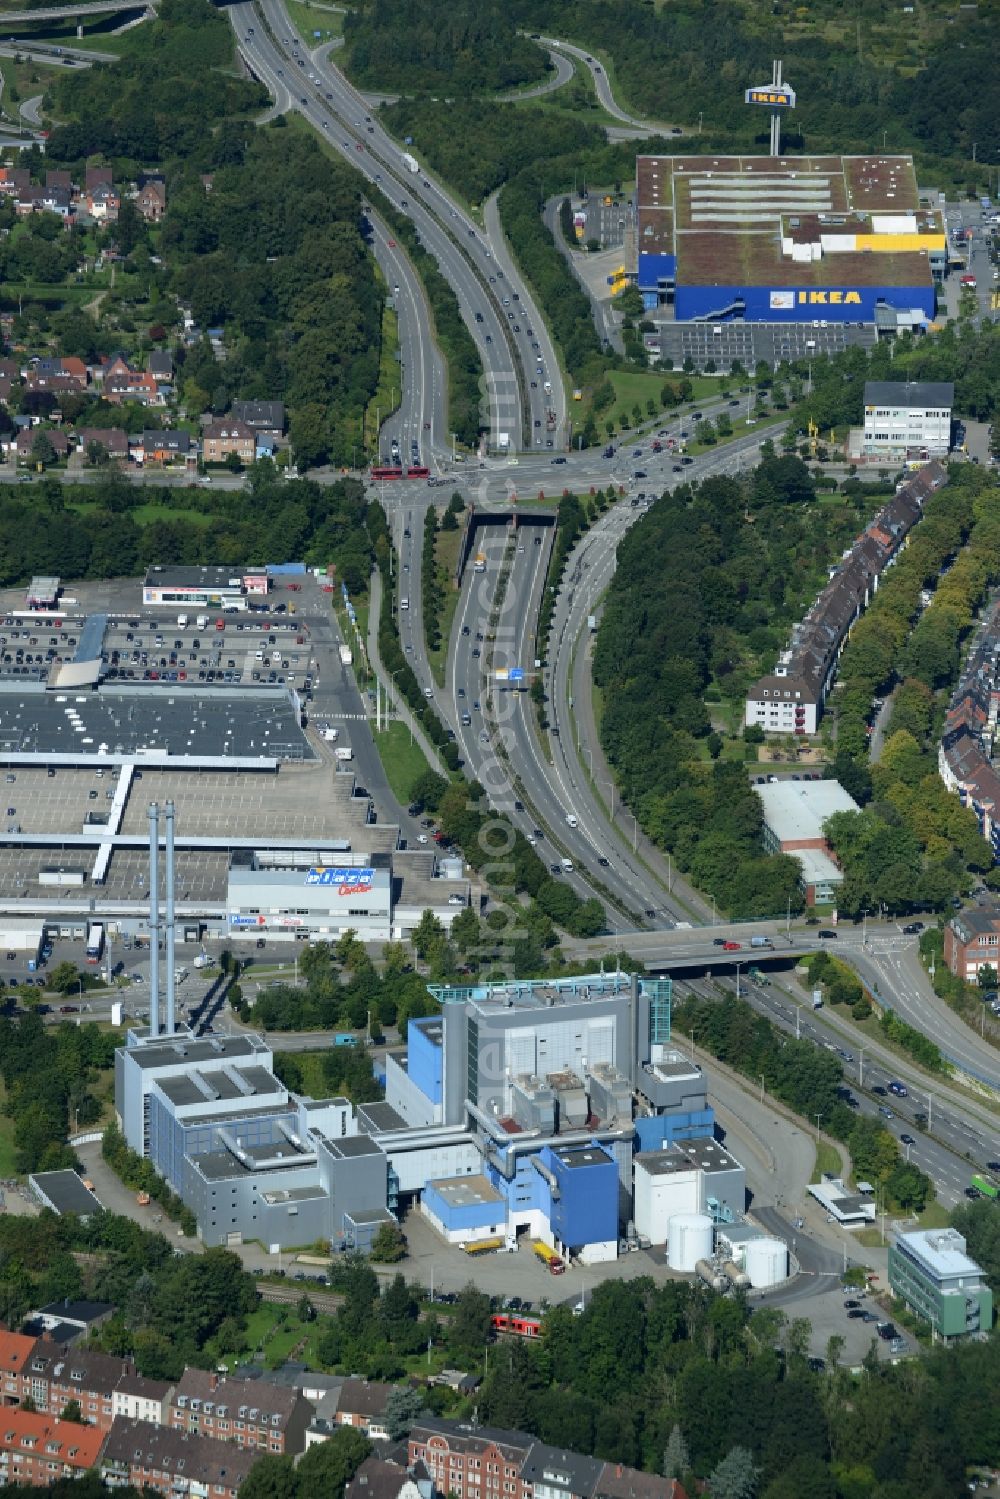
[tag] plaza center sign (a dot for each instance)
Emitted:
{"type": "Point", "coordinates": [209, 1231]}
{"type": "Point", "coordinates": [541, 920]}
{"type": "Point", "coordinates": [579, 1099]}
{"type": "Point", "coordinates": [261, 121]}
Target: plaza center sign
{"type": "Point", "coordinates": [348, 880]}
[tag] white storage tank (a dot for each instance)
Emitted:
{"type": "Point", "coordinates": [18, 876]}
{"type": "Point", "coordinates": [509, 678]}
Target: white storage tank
{"type": "Point", "coordinates": [766, 1263]}
{"type": "Point", "coordinates": [689, 1239]}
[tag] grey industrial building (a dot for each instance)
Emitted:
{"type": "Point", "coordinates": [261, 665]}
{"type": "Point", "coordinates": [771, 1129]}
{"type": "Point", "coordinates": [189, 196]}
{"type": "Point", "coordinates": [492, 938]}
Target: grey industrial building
{"type": "Point", "coordinates": [543, 1093]}
{"type": "Point", "coordinates": [251, 1160]}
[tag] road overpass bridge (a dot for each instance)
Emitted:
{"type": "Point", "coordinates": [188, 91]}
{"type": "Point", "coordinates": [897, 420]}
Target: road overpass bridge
{"type": "Point", "coordinates": [71, 12]}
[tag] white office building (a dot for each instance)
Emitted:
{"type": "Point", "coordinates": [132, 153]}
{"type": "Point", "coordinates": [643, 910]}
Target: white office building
{"type": "Point", "coordinates": [907, 419]}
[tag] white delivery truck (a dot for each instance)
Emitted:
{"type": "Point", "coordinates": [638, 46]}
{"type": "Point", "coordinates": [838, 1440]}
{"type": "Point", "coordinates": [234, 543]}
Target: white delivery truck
{"type": "Point", "coordinates": [344, 752]}
{"type": "Point", "coordinates": [345, 655]}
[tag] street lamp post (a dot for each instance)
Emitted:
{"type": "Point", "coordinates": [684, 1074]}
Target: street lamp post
{"type": "Point", "coordinates": [818, 1118]}
{"type": "Point", "coordinates": [611, 787]}
{"type": "Point", "coordinates": [762, 1087]}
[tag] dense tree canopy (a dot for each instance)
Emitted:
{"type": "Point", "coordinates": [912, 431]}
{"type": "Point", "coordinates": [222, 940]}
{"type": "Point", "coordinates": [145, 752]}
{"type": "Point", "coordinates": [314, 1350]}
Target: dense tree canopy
{"type": "Point", "coordinates": [89, 531]}
{"type": "Point", "coordinates": [708, 584]}
{"type": "Point", "coordinates": [414, 46]}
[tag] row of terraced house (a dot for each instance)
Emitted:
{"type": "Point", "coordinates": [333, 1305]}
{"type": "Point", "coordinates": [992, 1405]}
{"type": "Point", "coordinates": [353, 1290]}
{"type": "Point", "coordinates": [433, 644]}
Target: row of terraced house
{"type": "Point", "coordinates": [201, 1435]}
{"type": "Point", "coordinates": [965, 754]}
{"type": "Point", "coordinates": [67, 1409]}
{"type": "Point", "coordinates": [790, 700]}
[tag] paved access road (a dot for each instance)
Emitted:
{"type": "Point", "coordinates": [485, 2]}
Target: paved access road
{"type": "Point", "coordinates": [602, 88]}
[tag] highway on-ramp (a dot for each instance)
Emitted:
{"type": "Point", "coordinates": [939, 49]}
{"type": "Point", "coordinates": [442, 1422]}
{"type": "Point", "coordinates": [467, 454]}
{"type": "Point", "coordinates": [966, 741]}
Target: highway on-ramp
{"type": "Point", "coordinates": [602, 88]}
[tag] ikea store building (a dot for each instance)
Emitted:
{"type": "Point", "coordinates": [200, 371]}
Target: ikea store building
{"type": "Point", "coordinates": [824, 239]}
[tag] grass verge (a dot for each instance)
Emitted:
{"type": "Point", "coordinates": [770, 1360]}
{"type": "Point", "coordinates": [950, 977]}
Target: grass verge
{"type": "Point", "coordinates": [636, 388]}
{"type": "Point", "coordinates": [446, 559]}
{"type": "Point", "coordinates": [828, 1161]}
{"type": "Point", "coordinates": [8, 1155]}
{"type": "Point", "coordinates": [309, 19]}
{"type": "Point", "coordinates": [402, 760]}
{"type": "Point", "coordinates": [387, 393]}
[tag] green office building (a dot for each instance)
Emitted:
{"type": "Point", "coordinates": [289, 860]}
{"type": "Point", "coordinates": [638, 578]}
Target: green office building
{"type": "Point", "coordinates": [932, 1273]}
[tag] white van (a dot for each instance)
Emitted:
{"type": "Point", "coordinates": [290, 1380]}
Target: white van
{"type": "Point", "coordinates": [182, 620]}
{"type": "Point", "coordinates": [344, 752]}
{"type": "Point", "coordinates": [571, 819]}
{"type": "Point", "coordinates": [258, 655]}
{"type": "Point", "coordinates": [404, 603]}
{"type": "Point", "coordinates": [567, 865]}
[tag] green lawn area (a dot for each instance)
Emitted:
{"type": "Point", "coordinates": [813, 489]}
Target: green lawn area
{"type": "Point", "coordinates": [308, 19]}
{"type": "Point", "coordinates": [403, 762]}
{"type": "Point", "coordinates": [446, 551]}
{"type": "Point", "coordinates": [934, 1215]}
{"type": "Point", "coordinates": [827, 1160]}
{"type": "Point", "coordinates": [387, 393]}
{"type": "Point", "coordinates": [632, 387]}
{"type": "Point", "coordinates": [740, 429]}
{"type": "Point", "coordinates": [144, 515]}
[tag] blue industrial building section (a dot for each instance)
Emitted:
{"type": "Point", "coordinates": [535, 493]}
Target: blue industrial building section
{"type": "Point", "coordinates": [654, 1131]}
{"type": "Point", "coordinates": [473, 1218]}
{"type": "Point", "coordinates": [579, 1193]}
{"type": "Point", "coordinates": [656, 275]}
{"type": "Point", "coordinates": [423, 1040]}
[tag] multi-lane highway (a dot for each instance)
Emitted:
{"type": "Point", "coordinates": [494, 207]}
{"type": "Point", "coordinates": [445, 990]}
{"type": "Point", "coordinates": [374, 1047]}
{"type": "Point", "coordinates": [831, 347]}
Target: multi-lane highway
{"type": "Point", "coordinates": [507, 327]}
{"type": "Point", "coordinates": [934, 1132]}
{"type": "Point", "coordinates": [420, 417]}
{"type": "Point", "coordinates": [544, 783]}
{"type": "Point", "coordinates": [495, 302]}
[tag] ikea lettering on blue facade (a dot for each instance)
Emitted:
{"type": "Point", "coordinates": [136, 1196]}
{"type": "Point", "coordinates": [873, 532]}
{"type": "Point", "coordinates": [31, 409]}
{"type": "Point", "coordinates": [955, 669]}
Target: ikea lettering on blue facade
{"type": "Point", "coordinates": [352, 878]}
{"type": "Point", "coordinates": [763, 304]}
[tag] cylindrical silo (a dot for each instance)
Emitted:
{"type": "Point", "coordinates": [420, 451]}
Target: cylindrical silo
{"type": "Point", "coordinates": [739, 1278]}
{"type": "Point", "coordinates": [711, 1275]}
{"type": "Point", "coordinates": [766, 1262]}
{"type": "Point", "coordinates": [689, 1239]}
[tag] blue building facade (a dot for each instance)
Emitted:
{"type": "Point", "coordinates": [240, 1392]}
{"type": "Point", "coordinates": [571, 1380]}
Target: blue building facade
{"type": "Point", "coordinates": [423, 1040]}
{"type": "Point", "coordinates": [581, 1182]}
{"type": "Point", "coordinates": [774, 304]}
